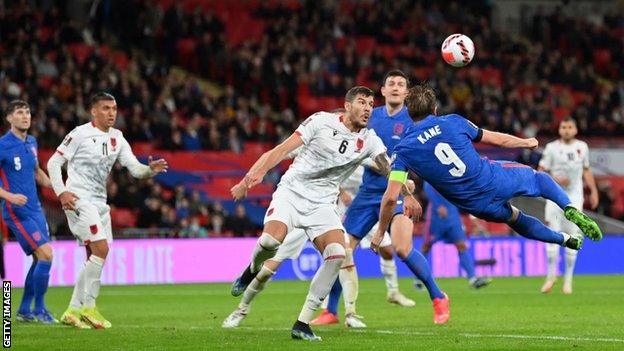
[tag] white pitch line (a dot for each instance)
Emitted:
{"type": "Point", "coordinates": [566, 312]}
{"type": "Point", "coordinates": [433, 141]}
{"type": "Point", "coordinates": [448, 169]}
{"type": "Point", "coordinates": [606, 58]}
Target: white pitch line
{"type": "Point", "coordinates": [415, 333]}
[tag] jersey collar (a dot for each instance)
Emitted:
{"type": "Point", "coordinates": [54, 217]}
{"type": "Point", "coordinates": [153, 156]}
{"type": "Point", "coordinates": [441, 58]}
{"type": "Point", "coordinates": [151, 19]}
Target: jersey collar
{"type": "Point", "coordinates": [385, 110]}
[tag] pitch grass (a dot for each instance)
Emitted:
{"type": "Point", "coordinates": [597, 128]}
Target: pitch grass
{"type": "Point", "coordinates": [510, 314]}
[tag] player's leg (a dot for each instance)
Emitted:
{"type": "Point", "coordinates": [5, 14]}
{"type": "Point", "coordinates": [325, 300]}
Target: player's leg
{"type": "Point", "coordinates": [30, 238]}
{"type": "Point", "coordinates": [331, 244]}
{"type": "Point", "coordinates": [292, 246]}
{"type": "Point", "coordinates": [350, 284]}
{"type": "Point", "coordinates": [553, 217]}
{"type": "Point", "coordinates": [41, 274]}
{"type": "Point", "coordinates": [401, 231]}
{"type": "Point", "coordinates": [277, 223]}
{"type": "Point", "coordinates": [570, 258]}
{"type": "Point", "coordinates": [389, 270]}
{"type": "Point", "coordinates": [531, 228]}
{"type": "Point", "coordinates": [329, 315]}
{"type": "Point", "coordinates": [520, 180]}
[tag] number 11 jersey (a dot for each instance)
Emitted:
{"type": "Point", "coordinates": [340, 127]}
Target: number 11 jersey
{"type": "Point", "coordinates": [440, 150]}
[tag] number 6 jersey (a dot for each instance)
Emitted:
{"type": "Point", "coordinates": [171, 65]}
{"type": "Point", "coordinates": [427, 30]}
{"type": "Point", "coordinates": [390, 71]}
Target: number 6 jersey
{"type": "Point", "coordinates": [331, 153]}
{"type": "Point", "coordinates": [91, 154]}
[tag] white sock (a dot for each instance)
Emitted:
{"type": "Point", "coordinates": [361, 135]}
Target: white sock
{"type": "Point", "coordinates": [256, 286]}
{"type": "Point", "coordinates": [266, 247]}
{"type": "Point", "coordinates": [77, 298]}
{"type": "Point", "coordinates": [570, 258]}
{"type": "Point", "coordinates": [92, 275]}
{"type": "Point", "coordinates": [349, 281]}
{"type": "Point", "coordinates": [333, 255]}
{"type": "Point", "coordinates": [552, 252]}
{"type": "Point", "coordinates": [389, 270]}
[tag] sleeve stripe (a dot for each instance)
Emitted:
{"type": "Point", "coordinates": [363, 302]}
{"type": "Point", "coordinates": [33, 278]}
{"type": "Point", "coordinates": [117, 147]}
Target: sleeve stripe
{"type": "Point", "coordinates": [60, 152]}
{"type": "Point", "coordinates": [398, 176]}
{"type": "Point", "coordinates": [298, 133]}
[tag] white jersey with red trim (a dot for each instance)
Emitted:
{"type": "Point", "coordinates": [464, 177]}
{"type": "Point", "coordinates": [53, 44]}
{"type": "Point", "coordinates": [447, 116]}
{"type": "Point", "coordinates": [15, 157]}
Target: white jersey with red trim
{"type": "Point", "coordinates": [568, 160]}
{"type": "Point", "coordinates": [331, 153]}
{"type": "Point", "coordinates": [91, 154]}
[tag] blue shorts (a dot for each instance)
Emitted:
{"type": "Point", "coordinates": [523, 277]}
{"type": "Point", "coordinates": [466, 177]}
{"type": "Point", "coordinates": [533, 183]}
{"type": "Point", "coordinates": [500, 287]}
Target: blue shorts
{"type": "Point", "coordinates": [31, 230]}
{"type": "Point", "coordinates": [363, 213]}
{"type": "Point", "coordinates": [511, 179]}
{"type": "Point", "coordinates": [449, 229]}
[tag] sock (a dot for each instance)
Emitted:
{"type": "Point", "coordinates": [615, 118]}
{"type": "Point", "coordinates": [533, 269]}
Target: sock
{"type": "Point", "coordinates": [333, 255]}
{"type": "Point", "coordinates": [417, 263]}
{"type": "Point", "coordinates": [467, 263]}
{"type": "Point", "coordinates": [530, 227]}
{"type": "Point", "coordinates": [256, 286]}
{"type": "Point", "coordinates": [92, 274]}
{"type": "Point", "coordinates": [266, 247]}
{"type": "Point", "coordinates": [570, 258]}
{"type": "Point", "coordinates": [334, 297]}
{"type": "Point", "coordinates": [551, 190]}
{"type": "Point", "coordinates": [29, 290]}
{"type": "Point", "coordinates": [77, 298]}
{"type": "Point", "coordinates": [41, 277]}
{"type": "Point", "coordinates": [349, 281]}
{"type": "Point", "coordinates": [389, 270]}
{"type": "Point", "coordinates": [552, 253]}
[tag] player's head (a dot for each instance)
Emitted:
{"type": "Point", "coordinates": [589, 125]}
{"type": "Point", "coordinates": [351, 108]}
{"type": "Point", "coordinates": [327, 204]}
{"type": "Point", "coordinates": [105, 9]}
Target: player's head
{"type": "Point", "coordinates": [359, 105]}
{"type": "Point", "coordinates": [421, 101]}
{"type": "Point", "coordinates": [394, 88]}
{"type": "Point", "coordinates": [103, 109]}
{"type": "Point", "coordinates": [18, 115]}
{"type": "Point", "coordinates": [567, 129]}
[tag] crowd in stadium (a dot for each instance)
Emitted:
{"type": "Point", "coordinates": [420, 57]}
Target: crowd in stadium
{"type": "Point", "coordinates": [515, 86]}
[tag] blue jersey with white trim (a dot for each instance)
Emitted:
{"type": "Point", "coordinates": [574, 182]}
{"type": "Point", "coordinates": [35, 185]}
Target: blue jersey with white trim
{"type": "Point", "coordinates": [18, 167]}
{"type": "Point", "coordinates": [441, 151]}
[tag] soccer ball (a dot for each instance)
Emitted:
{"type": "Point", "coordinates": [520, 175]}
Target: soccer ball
{"type": "Point", "coordinates": [458, 50]}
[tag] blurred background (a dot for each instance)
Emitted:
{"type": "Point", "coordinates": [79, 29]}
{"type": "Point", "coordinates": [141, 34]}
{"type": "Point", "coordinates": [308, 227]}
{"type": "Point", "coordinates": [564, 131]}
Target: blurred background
{"type": "Point", "coordinates": [211, 85]}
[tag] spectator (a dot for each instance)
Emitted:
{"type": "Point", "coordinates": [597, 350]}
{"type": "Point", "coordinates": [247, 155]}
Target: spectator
{"type": "Point", "coordinates": [239, 224]}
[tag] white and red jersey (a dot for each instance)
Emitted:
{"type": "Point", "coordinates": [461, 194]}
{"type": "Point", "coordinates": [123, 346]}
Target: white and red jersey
{"type": "Point", "coordinates": [568, 160]}
{"type": "Point", "coordinates": [91, 154]}
{"type": "Point", "coordinates": [331, 153]}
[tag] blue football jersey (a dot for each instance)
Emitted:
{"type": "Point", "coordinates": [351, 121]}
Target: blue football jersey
{"type": "Point", "coordinates": [436, 200]}
{"type": "Point", "coordinates": [391, 130]}
{"type": "Point", "coordinates": [18, 166]}
{"type": "Point", "coordinates": [441, 151]}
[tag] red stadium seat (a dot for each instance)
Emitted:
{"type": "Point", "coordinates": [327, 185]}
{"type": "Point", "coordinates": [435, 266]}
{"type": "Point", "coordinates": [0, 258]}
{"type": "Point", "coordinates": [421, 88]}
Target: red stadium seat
{"type": "Point", "coordinates": [123, 218]}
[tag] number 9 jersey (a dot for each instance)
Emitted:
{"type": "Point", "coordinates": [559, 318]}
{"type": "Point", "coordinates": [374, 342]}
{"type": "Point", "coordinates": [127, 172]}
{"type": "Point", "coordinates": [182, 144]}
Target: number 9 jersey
{"type": "Point", "coordinates": [440, 150]}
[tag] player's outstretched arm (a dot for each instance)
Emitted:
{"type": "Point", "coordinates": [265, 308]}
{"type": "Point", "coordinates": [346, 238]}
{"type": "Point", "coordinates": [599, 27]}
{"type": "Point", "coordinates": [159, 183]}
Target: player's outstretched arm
{"type": "Point", "coordinates": [270, 159]}
{"type": "Point", "coordinates": [388, 204]}
{"type": "Point", "coordinates": [136, 168]}
{"type": "Point", "coordinates": [508, 141]}
{"type": "Point", "coordinates": [588, 176]}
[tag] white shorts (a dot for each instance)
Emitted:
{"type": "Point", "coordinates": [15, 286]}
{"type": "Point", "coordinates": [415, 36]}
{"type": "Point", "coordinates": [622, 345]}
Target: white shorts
{"type": "Point", "coordinates": [90, 222]}
{"type": "Point", "coordinates": [292, 245]}
{"type": "Point", "coordinates": [555, 219]}
{"type": "Point", "coordinates": [365, 243]}
{"type": "Point", "coordinates": [295, 211]}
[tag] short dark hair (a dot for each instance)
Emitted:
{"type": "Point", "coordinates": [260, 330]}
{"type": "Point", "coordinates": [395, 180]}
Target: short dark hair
{"type": "Point", "coordinates": [568, 119]}
{"type": "Point", "coordinates": [16, 104]}
{"type": "Point", "coordinates": [101, 96]}
{"type": "Point", "coordinates": [395, 73]}
{"type": "Point", "coordinates": [358, 90]}
{"type": "Point", "coordinates": [420, 101]}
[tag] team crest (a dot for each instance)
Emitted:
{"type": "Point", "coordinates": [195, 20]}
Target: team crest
{"type": "Point", "coordinates": [398, 128]}
{"type": "Point", "coordinates": [37, 236]}
{"type": "Point", "coordinates": [113, 143]}
{"type": "Point", "coordinates": [359, 145]}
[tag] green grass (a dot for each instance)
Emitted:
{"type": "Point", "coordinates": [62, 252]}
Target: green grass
{"type": "Point", "coordinates": [511, 314]}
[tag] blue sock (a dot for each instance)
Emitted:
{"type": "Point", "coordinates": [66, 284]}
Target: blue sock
{"type": "Point", "coordinates": [29, 290]}
{"type": "Point", "coordinates": [532, 228]}
{"type": "Point", "coordinates": [467, 263]}
{"type": "Point", "coordinates": [551, 190]}
{"type": "Point", "coordinates": [334, 297]}
{"type": "Point", "coordinates": [419, 266]}
{"type": "Point", "coordinates": [41, 277]}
